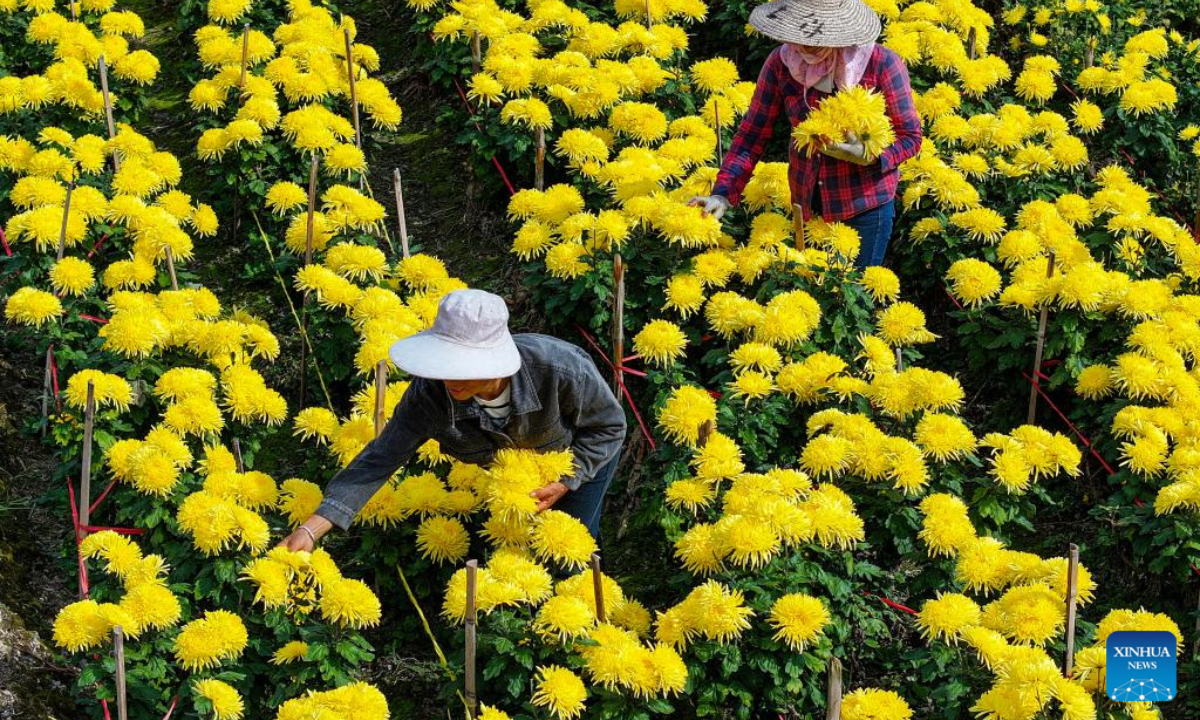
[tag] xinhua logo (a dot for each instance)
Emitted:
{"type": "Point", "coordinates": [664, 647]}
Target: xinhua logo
{"type": "Point", "coordinates": [1141, 665]}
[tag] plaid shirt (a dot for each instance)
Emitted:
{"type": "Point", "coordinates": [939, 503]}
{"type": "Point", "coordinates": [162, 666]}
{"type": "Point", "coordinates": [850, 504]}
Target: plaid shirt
{"type": "Point", "coordinates": [846, 189]}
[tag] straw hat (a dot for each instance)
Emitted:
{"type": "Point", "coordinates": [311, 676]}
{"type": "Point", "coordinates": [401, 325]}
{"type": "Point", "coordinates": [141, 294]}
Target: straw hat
{"type": "Point", "coordinates": [469, 340]}
{"type": "Point", "coordinates": [819, 23]}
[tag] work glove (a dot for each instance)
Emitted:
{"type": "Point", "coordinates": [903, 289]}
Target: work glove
{"type": "Point", "coordinates": [714, 205]}
{"type": "Point", "coordinates": [851, 151]}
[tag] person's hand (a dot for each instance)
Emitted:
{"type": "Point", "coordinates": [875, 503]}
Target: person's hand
{"type": "Point", "coordinates": [714, 205]}
{"type": "Point", "coordinates": [305, 537]}
{"type": "Point", "coordinates": [851, 151]}
{"type": "Point", "coordinates": [547, 496]}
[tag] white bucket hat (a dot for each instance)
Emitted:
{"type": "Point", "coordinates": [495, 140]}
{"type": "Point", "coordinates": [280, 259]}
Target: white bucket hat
{"type": "Point", "coordinates": [469, 340]}
{"type": "Point", "coordinates": [819, 23]}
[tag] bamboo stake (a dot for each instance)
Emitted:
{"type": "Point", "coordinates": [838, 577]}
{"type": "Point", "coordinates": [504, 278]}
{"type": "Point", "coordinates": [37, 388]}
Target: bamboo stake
{"type": "Point", "coordinates": [47, 388]}
{"type": "Point", "coordinates": [245, 57]}
{"type": "Point", "coordinates": [1072, 594]}
{"type": "Point", "coordinates": [649, 20]}
{"type": "Point", "coordinates": [469, 669]}
{"type": "Point", "coordinates": [400, 213]}
{"type": "Point", "coordinates": [1041, 347]}
{"type": "Point", "coordinates": [539, 140]}
{"type": "Point", "coordinates": [353, 87]}
{"type": "Point", "coordinates": [62, 232]}
{"type": "Point", "coordinates": [108, 111]}
{"type": "Point", "coordinates": [833, 691]}
{"type": "Point", "coordinates": [119, 653]}
{"type": "Point", "coordinates": [171, 269]}
{"type": "Point", "coordinates": [598, 587]}
{"type": "Point", "coordinates": [618, 329]}
{"type": "Point", "coordinates": [85, 474]}
{"type": "Point", "coordinates": [312, 209]}
{"type": "Point", "coordinates": [972, 41]}
{"type": "Point", "coordinates": [237, 455]}
{"type": "Point", "coordinates": [798, 225]}
{"type": "Point", "coordinates": [308, 252]}
{"type": "Point", "coordinates": [476, 52]}
{"type": "Point", "coordinates": [380, 395]}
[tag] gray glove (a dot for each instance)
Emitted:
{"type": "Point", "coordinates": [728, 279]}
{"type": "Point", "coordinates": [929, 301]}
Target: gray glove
{"type": "Point", "coordinates": [714, 205]}
{"type": "Point", "coordinates": [851, 151]}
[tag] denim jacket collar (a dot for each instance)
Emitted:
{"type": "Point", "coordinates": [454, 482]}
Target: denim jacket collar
{"type": "Point", "coordinates": [524, 397]}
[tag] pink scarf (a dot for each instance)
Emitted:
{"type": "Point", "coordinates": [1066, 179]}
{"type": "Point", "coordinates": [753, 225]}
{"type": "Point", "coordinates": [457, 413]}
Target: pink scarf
{"type": "Point", "coordinates": [846, 63]}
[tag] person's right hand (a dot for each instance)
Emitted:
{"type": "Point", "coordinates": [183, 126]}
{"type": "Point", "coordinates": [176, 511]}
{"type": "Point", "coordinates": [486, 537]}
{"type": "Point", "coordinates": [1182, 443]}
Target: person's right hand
{"type": "Point", "coordinates": [300, 540]}
{"type": "Point", "coordinates": [714, 205]}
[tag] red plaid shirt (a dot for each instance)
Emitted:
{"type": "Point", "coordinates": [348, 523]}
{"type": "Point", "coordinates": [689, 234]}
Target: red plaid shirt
{"type": "Point", "coordinates": [846, 189]}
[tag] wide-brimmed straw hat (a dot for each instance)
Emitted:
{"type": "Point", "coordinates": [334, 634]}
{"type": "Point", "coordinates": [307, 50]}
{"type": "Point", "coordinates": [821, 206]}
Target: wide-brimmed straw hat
{"type": "Point", "coordinates": [819, 23]}
{"type": "Point", "coordinates": [469, 340]}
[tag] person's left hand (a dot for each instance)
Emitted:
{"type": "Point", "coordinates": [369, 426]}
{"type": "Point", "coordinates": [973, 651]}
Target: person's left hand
{"type": "Point", "coordinates": [547, 496]}
{"type": "Point", "coordinates": [851, 151]}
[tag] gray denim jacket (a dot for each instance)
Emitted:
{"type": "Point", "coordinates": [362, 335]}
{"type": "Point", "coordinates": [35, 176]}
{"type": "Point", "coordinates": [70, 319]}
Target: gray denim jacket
{"type": "Point", "coordinates": [559, 400]}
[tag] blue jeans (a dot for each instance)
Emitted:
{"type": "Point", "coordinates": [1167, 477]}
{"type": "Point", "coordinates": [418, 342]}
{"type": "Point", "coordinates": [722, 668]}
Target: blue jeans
{"type": "Point", "coordinates": [874, 231]}
{"type": "Point", "coordinates": [586, 503]}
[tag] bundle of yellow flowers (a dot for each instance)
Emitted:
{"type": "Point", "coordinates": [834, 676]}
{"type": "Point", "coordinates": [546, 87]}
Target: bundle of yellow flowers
{"type": "Point", "coordinates": [855, 113]}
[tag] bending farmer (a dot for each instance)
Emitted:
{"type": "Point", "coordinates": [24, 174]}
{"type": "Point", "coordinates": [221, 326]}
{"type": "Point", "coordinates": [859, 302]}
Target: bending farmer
{"type": "Point", "coordinates": [828, 45]}
{"type": "Point", "coordinates": [478, 389]}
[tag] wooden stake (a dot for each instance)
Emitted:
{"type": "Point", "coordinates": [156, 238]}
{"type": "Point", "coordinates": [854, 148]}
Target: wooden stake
{"type": "Point", "coordinates": [400, 213]}
{"type": "Point", "coordinates": [833, 691]}
{"type": "Point", "coordinates": [312, 209]}
{"type": "Point", "coordinates": [899, 359]}
{"type": "Point", "coordinates": [62, 232]}
{"type": "Point", "coordinates": [171, 269]}
{"type": "Point", "coordinates": [74, 12]}
{"type": "Point", "coordinates": [798, 225]}
{"type": "Point", "coordinates": [119, 653]}
{"type": "Point", "coordinates": [972, 41]}
{"type": "Point", "coordinates": [598, 587]}
{"type": "Point", "coordinates": [1072, 594]}
{"type": "Point", "coordinates": [476, 52]}
{"type": "Point", "coordinates": [108, 111]}
{"type": "Point", "coordinates": [1041, 347]}
{"type": "Point", "coordinates": [308, 252]}
{"type": "Point", "coordinates": [649, 21]}
{"type": "Point", "coordinates": [245, 56]}
{"type": "Point", "coordinates": [47, 388]}
{"type": "Point", "coordinates": [469, 669]}
{"type": "Point", "coordinates": [353, 88]}
{"type": "Point", "coordinates": [618, 328]}
{"type": "Point", "coordinates": [1089, 59]}
{"type": "Point", "coordinates": [237, 455]}
{"type": "Point", "coordinates": [85, 474]}
{"type": "Point", "coordinates": [381, 374]}
{"type": "Point", "coordinates": [539, 141]}
{"type": "Point", "coordinates": [707, 428]}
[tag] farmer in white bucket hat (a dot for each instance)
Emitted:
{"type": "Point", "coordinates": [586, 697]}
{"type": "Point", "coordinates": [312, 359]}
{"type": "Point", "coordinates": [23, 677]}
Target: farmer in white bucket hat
{"type": "Point", "coordinates": [478, 389]}
{"type": "Point", "coordinates": [827, 45]}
